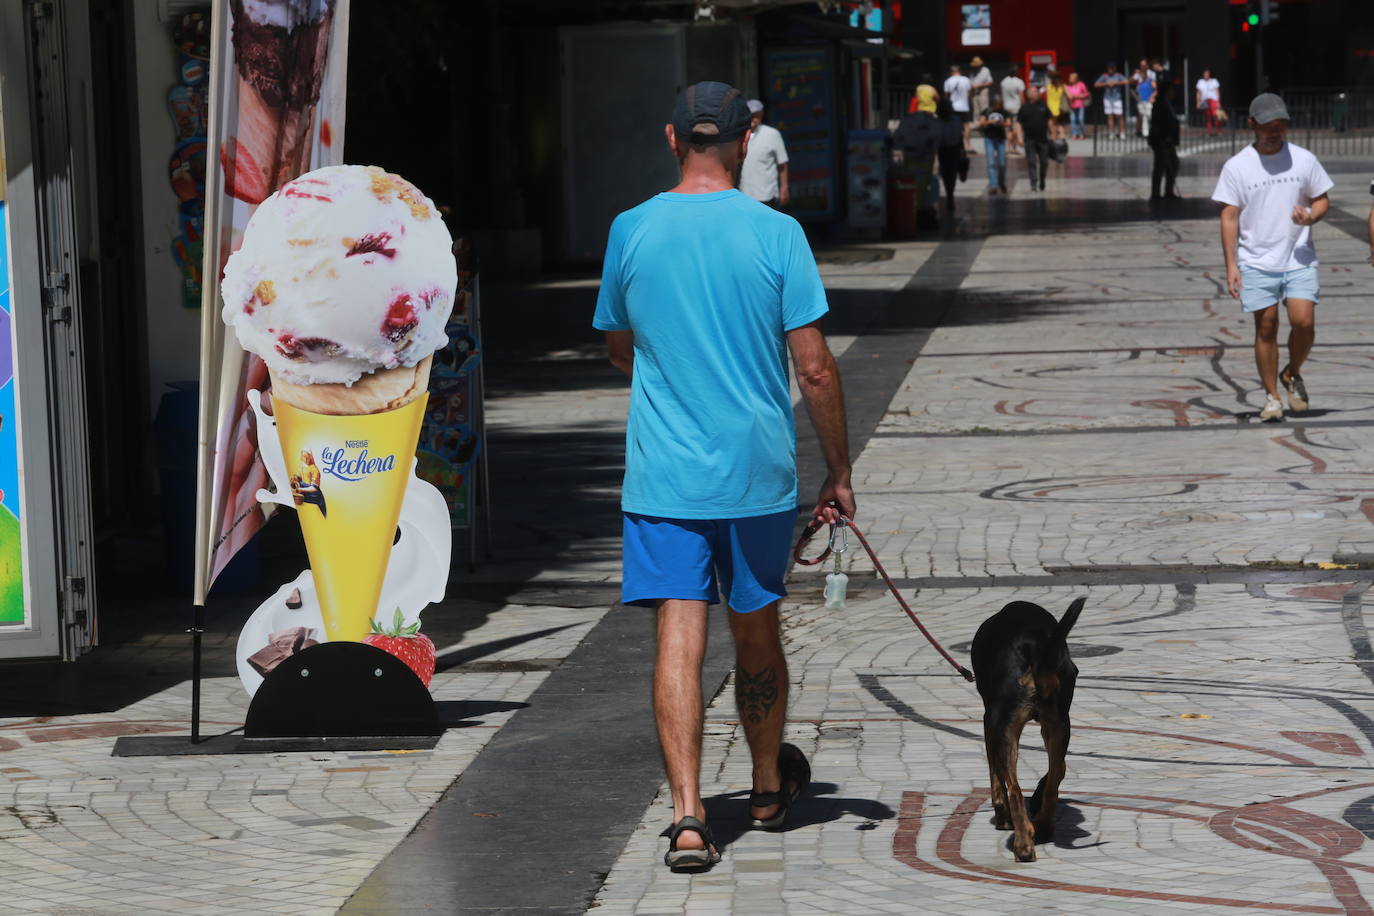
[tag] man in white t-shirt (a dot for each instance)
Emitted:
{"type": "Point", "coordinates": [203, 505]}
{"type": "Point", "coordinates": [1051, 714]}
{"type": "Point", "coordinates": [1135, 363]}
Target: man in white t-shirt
{"type": "Point", "coordinates": [1271, 193]}
{"type": "Point", "coordinates": [958, 88]}
{"type": "Point", "coordinates": [764, 173]}
{"type": "Point", "coordinates": [1013, 91]}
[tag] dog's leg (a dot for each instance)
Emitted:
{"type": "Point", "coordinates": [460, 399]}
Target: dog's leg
{"type": "Point", "coordinates": [993, 747]}
{"type": "Point", "coordinates": [1003, 741]}
{"type": "Point", "coordinates": [1055, 732]}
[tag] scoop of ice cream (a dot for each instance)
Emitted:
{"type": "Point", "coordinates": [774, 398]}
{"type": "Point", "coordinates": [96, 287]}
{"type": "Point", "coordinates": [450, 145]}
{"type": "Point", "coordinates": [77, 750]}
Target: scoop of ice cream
{"type": "Point", "coordinates": [345, 270]}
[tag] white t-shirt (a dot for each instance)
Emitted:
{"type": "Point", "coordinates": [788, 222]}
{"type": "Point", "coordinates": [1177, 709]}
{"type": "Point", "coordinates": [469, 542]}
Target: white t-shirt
{"type": "Point", "coordinates": [1210, 89]}
{"type": "Point", "coordinates": [1267, 188]}
{"type": "Point", "coordinates": [1012, 89]}
{"type": "Point", "coordinates": [957, 87]}
{"type": "Point", "coordinates": [759, 177]}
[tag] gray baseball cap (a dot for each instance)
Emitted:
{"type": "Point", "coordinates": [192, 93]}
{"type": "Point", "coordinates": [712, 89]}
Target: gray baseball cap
{"type": "Point", "coordinates": [1268, 107]}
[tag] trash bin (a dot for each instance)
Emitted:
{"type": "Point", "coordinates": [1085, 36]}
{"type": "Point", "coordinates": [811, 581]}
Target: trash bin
{"type": "Point", "coordinates": [175, 433]}
{"type": "Point", "coordinates": [903, 200]}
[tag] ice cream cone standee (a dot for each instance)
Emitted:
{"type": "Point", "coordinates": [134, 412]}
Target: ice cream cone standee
{"type": "Point", "coordinates": [343, 285]}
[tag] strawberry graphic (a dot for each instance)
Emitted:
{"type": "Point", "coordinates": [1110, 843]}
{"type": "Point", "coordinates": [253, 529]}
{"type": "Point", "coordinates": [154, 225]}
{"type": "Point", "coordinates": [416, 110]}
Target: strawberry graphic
{"type": "Point", "coordinates": [406, 643]}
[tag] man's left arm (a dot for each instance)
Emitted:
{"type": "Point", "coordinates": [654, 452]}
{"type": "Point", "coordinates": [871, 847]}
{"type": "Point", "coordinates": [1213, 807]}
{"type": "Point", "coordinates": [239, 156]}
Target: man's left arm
{"type": "Point", "coordinates": [1307, 216]}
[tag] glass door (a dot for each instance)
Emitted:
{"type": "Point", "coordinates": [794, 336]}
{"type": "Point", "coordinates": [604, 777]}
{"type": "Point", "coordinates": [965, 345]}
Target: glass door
{"type": "Point", "coordinates": [46, 602]}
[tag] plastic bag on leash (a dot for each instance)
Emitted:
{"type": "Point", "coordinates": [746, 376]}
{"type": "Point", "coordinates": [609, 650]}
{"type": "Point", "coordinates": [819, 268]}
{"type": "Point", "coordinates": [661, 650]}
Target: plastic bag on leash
{"type": "Point", "coordinates": [835, 587]}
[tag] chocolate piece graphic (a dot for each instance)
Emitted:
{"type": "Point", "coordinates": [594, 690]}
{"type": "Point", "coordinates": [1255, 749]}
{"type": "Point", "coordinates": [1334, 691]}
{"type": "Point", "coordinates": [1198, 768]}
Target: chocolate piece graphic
{"type": "Point", "coordinates": [281, 645]}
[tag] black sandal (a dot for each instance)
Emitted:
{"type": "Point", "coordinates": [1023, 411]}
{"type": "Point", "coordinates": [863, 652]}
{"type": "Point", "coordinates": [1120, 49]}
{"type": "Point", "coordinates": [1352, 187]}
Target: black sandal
{"type": "Point", "coordinates": [690, 859]}
{"type": "Point", "coordinates": [794, 769]}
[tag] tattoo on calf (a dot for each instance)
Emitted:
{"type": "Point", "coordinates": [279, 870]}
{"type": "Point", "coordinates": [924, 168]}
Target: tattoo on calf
{"type": "Point", "coordinates": [756, 693]}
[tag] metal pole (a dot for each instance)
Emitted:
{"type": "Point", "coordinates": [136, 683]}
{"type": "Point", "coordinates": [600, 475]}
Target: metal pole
{"type": "Point", "coordinates": [1259, 46]}
{"type": "Point", "coordinates": [196, 632]}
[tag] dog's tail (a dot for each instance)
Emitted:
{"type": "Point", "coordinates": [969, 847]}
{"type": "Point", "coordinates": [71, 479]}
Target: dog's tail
{"type": "Point", "coordinates": [1061, 629]}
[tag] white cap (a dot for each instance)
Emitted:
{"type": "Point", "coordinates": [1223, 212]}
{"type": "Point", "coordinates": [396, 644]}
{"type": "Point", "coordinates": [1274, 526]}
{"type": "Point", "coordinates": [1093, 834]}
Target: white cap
{"type": "Point", "coordinates": [755, 106]}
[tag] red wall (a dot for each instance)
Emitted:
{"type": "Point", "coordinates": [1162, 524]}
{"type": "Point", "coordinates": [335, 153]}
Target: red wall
{"type": "Point", "coordinates": [1018, 26]}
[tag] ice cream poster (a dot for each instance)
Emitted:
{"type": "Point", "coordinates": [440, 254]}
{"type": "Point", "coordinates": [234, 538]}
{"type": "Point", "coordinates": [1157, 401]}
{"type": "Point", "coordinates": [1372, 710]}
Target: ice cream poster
{"type": "Point", "coordinates": [277, 93]}
{"type": "Point", "coordinates": [11, 544]}
{"type": "Point", "coordinates": [343, 287]}
{"type": "Point", "coordinates": [451, 438]}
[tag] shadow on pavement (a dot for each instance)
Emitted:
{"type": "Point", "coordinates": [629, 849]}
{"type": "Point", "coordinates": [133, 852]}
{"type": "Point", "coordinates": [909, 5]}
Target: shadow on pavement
{"type": "Point", "coordinates": [728, 814]}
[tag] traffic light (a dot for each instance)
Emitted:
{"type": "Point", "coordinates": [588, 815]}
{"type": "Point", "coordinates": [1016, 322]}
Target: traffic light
{"type": "Point", "coordinates": [1252, 20]}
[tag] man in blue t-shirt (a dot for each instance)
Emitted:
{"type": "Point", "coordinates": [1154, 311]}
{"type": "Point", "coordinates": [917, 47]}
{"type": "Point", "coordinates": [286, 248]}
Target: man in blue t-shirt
{"type": "Point", "coordinates": [704, 291]}
{"type": "Point", "coordinates": [1112, 84]}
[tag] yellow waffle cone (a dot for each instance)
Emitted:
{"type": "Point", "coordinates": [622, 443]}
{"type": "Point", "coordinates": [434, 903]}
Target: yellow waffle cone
{"type": "Point", "coordinates": [349, 491]}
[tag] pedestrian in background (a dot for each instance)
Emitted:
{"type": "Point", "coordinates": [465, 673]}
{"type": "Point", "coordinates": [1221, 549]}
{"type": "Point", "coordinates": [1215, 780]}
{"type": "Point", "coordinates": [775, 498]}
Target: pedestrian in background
{"type": "Point", "coordinates": [952, 156]}
{"type": "Point", "coordinates": [1013, 94]}
{"type": "Point", "coordinates": [981, 81]}
{"type": "Point", "coordinates": [958, 88]}
{"type": "Point", "coordinates": [702, 291]}
{"type": "Point", "coordinates": [926, 96]}
{"type": "Point", "coordinates": [1163, 139]}
{"type": "Point", "coordinates": [1272, 192]}
{"type": "Point", "coordinates": [915, 145]}
{"type": "Point", "coordinates": [764, 176]}
{"type": "Point", "coordinates": [1057, 101]}
{"type": "Point", "coordinates": [1034, 118]}
{"type": "Point", "coordinates": [1113, 86]}
{"type": "Point", "coordinates": [1078, 95]}
{"type": "Point", "coordinates": [1209, 101]}
{"type": "Point", "coordinates": [1143, 82]}
{"type": "Point", "coordinates": [994, 124]}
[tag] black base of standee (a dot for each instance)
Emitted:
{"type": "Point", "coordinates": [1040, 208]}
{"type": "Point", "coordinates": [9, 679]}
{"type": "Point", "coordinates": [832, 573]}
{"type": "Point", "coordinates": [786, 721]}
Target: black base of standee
{"type": "Point", "coordinates": [336, 696]}
{"type": "Point", "coordinates": [341, 690]}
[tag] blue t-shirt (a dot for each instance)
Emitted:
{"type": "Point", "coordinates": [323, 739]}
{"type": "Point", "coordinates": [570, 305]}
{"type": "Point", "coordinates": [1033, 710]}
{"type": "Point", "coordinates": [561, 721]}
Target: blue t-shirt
{"type": "Point", "coordinates": [709, 284]}
{"type": "Point", "coordinates": [1110, 93]}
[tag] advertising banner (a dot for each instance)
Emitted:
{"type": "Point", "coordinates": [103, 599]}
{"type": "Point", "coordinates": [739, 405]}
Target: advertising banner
{"type": "Point", "coordinates": [12, 610]}
{"type": "Point", "coordinates": [976, 19]}
{"type": "Point", "coordinates": [452, 438]}
{"type": "Point", "coordinates": [866, 166]}
{"type": "Point", "coordinates": [800, 92]}
{"type": "Point", "coordinates": [344, 285]}
{"type": "Point", "coordinates": [277, 87]}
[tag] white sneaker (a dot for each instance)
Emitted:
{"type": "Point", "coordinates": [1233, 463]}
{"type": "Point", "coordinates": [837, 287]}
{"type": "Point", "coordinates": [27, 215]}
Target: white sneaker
{"type": "Point", "coordinates": [1273, 409]}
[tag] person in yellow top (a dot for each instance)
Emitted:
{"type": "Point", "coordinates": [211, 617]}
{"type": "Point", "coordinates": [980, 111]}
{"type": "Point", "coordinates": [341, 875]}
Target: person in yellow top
{"type": "Point", "coordinates": [926, 96]}
{"type": "Point", "coordinates": [1056, 100]}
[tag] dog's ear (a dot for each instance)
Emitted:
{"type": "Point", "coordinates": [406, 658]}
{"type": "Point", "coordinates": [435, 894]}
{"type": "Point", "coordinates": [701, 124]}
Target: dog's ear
{"type": "Point", "coordinates": [1061, 630]}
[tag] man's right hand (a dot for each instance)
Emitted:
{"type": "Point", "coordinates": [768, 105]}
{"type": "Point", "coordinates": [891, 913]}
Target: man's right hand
{"type": "Point", "coordinates": [838, 492]}
{"type": "Point", "coordinates": [1233, 280]}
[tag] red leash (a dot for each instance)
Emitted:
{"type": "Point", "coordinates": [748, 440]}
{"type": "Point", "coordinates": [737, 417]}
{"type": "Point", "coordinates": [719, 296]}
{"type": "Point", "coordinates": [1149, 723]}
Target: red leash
{"type": "Point", "coordinates": [810, 532]}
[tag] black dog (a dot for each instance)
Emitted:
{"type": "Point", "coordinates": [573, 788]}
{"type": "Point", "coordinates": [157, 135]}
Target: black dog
{"type": "Point", "coordinates": [1024, 672]}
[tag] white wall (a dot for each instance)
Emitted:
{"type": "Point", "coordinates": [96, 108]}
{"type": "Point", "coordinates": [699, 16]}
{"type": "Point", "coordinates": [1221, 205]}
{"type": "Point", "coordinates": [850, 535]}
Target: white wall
{"type": "Point", "coordinates": [173, 330]}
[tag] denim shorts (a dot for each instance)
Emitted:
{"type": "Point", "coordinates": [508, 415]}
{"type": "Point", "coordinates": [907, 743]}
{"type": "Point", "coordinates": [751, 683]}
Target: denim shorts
{"type": "Point", "coordinates": [696, 559]}
{"type": "Point", "coordinates": [1260, 289]}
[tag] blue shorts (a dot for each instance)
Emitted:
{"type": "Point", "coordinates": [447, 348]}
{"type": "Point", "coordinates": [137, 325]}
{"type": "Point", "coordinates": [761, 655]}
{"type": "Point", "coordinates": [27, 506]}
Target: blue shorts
{"type": "Point", "coordinates": [1260, 289]}
{"type": "Point", "coordinates": [696, 559]}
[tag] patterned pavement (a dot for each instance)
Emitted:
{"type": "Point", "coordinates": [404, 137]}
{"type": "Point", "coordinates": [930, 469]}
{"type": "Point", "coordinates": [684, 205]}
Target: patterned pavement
{"type": "Point", "coordinates": [1083, 423]}
{"type": "Point", "coordinates": [1080, 422]}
